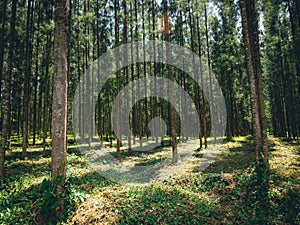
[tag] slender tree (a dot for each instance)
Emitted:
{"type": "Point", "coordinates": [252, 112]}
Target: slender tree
{"type": "Point", "coordinates": [203, 128]}
{"type": "Point", "coordinates": [126, 69]}
{"type": "Point", "coordinates": [250, 37]}
{"type": "Point", "coordinates": [7, 93]}
{"type": "Point", "coordinates": [213, 114]}
{"type": "Point", "coordinates": [117, 36]}
{"type": "Point", "coordinates": [155, 111]}
{"type": "Point", "coordinates": [145, 70]}
{"type": "Point", "coordinates": [2, 42]}
{"type": "Point", "coordinates": [36, 82]}
{"type": "Point", "coordinates": [166, 32]}
{"type": "Point", "coordinates": [59, 106]}
{"type": "Point", "coordinates": [26, 95]}
{"type": "Point", "coordinates": [46, 94]}
{"type": "Point", "coordinates": [132, 70]}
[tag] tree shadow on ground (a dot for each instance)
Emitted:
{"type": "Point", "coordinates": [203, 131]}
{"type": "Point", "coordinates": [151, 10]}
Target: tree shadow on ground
{"type": "Point", "coordinates": [15, 170]}
{"type": "Point", "coordinates": [234, 158]}
{"type": "Point", "coordinates": [32, 155]}
{"type": "Point", "coordinates": [171, 207]}
{"type": "Point", "coordinates": [90, 181]}
{"type": "Point", "coordinates": [36, 153]}
{"type": "Point", "coordinates": [136, 152]}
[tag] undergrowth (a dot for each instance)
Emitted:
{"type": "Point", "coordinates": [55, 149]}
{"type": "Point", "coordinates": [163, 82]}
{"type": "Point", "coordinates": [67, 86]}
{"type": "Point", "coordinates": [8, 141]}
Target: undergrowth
{"type": "Point", "coordinates": [228, 192]}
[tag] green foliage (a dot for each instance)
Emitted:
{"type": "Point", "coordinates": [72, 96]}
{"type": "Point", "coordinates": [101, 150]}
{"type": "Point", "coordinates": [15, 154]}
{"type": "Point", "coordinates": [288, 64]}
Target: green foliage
{"type": "Point", "coordinates": [289, 206]}
{"type": "Point", "coordinates": [49, 201]}
{"type": "Point", "coordinates": [211, 197]}
{"type": "Point", "coordinates": [212, 181]}
{"type": "Point", "coordinates": [228, 139]}
{"type": "Point", "coordinates": [163, 204]}
{"type": "Point", "coordinates": [261, 189]}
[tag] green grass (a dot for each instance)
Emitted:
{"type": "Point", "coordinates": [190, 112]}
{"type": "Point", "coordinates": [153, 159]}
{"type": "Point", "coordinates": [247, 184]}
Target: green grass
{"type": "Point", "coordinates": [225, 193]}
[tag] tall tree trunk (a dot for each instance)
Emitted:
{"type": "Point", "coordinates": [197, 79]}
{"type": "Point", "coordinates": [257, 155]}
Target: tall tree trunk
{"type": "Point", "coordinates": [201, 111]}
{"type": "Point", "coordinates": [117, 36]}
{"type": "Point", "coordinates": [86, 96]}
{"type": "Point", "coordinates": [40, 107]}
{"type": "Point", "coordinates": [170, 77]}
{"type": "Point", "coordinates": [294, 7]}
{"type": "Point", "coordinates": [99, 120]}
{"type": "Point", "coordinates": [132, 36]}
{"type": "Point", "coordinates": [59, 106]}
{"type": "Point", "coordinates": [250, 36]}
{"type": "Point", "coordinates": [125, 36]}
{"type": "Point", "coordinates": [213, 114]}
{"type": "Point", "coordinates": [34, 127]}
{"type": "Point", "coordinates": [138, 112]}
{"type": "Point", "coordinates": [46, 94]}
{"type": "Point", "coordinates": [154, 66]}
{"type": "Point", "coordinates": [145, 70]}
{"type": "Point", "coordinates": [258, 78]}
{"type": "Point", "coordinates": [2, 38]}
{"type": "Point", "coordinates": [7, 93]}
{"type": "Point", "coordinates": [26, 95]}
{"type": "Point", "coordinates": [196, 70]}
{"type": "Point", "coordinates": [150, 64]}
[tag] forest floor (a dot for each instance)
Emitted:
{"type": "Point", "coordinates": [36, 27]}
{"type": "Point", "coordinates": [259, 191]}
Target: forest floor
{"type": "Point", "coordinates": [225, 193]}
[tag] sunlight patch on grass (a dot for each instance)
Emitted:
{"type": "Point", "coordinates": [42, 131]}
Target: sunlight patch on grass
{"type": "Point", "coordinates": [221, 194]}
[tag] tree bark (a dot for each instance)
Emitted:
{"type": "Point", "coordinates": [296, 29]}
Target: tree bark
{"type": "Point", "coordinates": [2, 42]}
{"type": "Point", "coordinates": [250, 37]}
{"type": "Point", "coordinates": [294, 7]}
{"type": "Point", "coordinates": [196, 70]}
{"type": "Point", "coordinates": [213, 114]}
{"type": "Point", "coordinates": [170, 77]}
{"type": "Point", "coordinates": [59, 107]}
{"type": "Point", "coordinates": [145, 71]}
{"type": "Point", "coordinates": [125, 36]}
{"type": "Point", "coordinates": [154, 66]}
{"type": "Point", "coordinates": [7, 94]}
{"type": "Point", "coordinates": [46, 94]}
{"type": "Point", "coordinates": [132, 36]}
{"type": "Point", "coordinates": [34, 127]}
{"type": "Point", "coordinates": [117, 36]}
{"type": "Point", "coordinates": [26, 95]}
{"type": "Point", "coordinates": [201, 112]}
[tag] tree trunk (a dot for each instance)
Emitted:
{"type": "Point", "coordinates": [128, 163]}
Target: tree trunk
{"type": "Point", "coordinates": [201, 112]}
{"type": "Point", "coordinates": [170, 77]}
{"type": "Point", "coordinates": [196, 70]}
{"type": "Point", "coordinates": [99, 108]}
{"type": "Point", "coordinates": [125, 36]}
{"type": "Point", "coordinates": [7, 94]}
{"type": "Point", "coordinates": [132, 36]}
{"type": "Point", "coordinates": [145, 71]}
{"type": "Point", "coordinates": [250, 36]}
{"type": "Point", "coordinates": [2, 38]}
{"type": "Point", "coordinates": [213, 114]}
{"type": "Point", "coordinates": [59, 107]}
{"type": "Point", "coordinates": [138, 111]}
{"type": "Point", "coordinates": [46, 94]}
{"type": "Point", "coordinates": [294, 7]}
{"type": "Point", "coordinates": [34, 127]}
{"type": "Point", "coordinates": [26, 95]}
{"type": "Point", "coordinates": [116, 6]}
